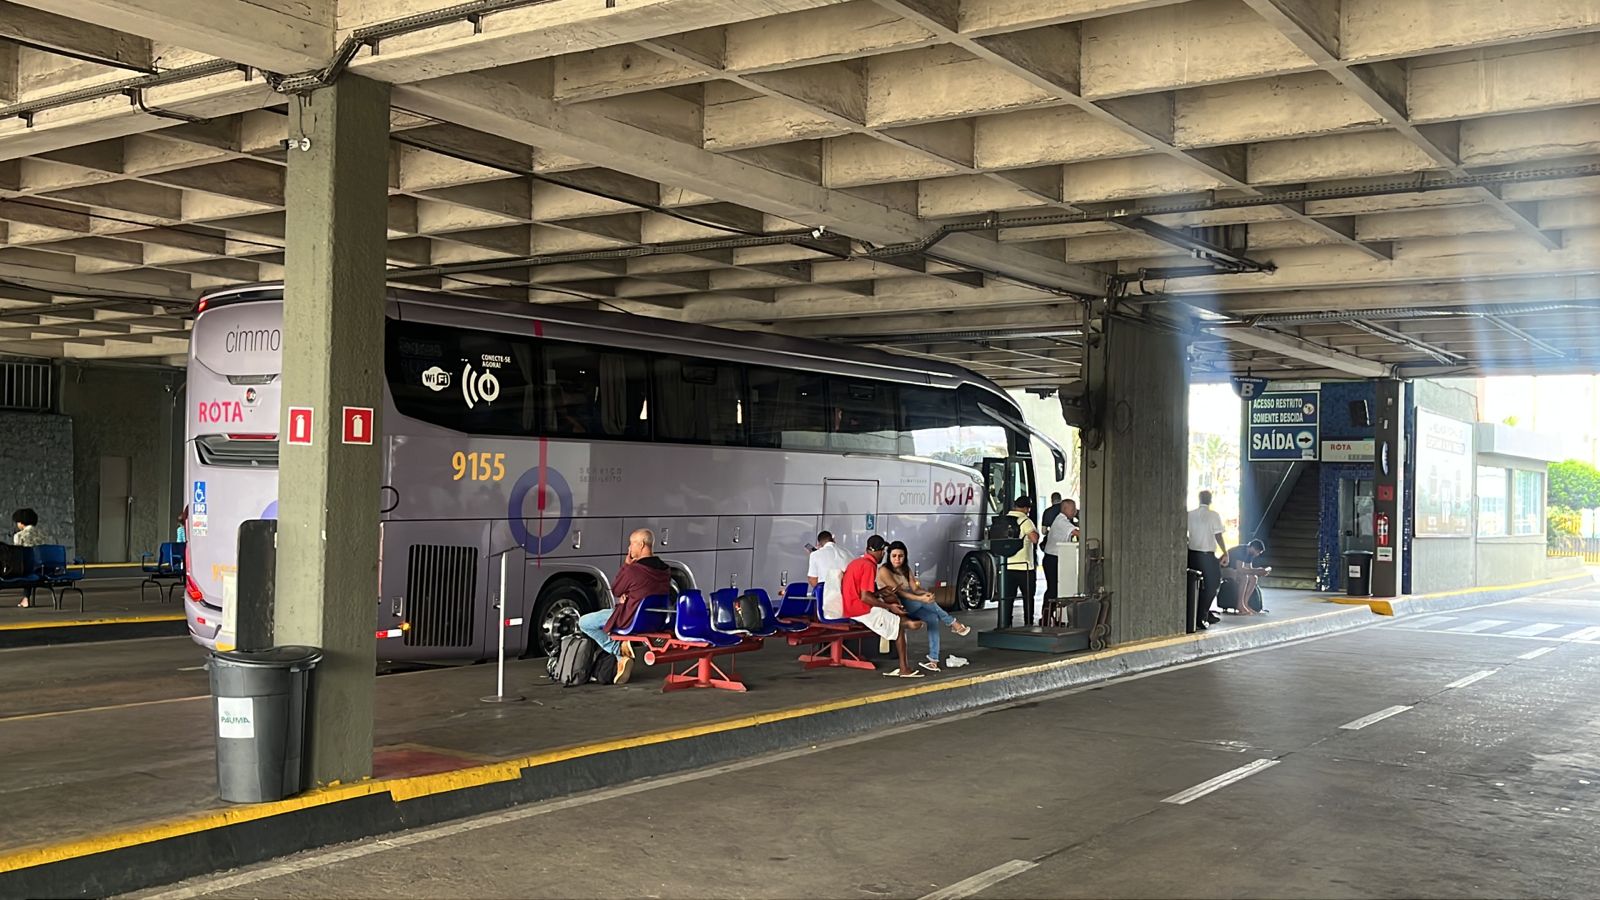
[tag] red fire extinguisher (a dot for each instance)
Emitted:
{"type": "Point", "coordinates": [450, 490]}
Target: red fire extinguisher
{"type": "Point", "coordinates": [1383, 529]}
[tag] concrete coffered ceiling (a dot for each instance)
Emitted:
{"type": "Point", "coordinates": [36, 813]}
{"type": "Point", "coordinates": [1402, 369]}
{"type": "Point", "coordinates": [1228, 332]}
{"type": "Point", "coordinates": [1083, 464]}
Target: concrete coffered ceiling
{"type": "Point", "coordinates": [1318, 186]}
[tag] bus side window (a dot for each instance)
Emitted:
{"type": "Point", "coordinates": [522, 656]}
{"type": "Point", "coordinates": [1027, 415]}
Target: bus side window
{"type": "Point", "coordinates": [699, 401]}
{"type": "Point", "coordinates": [788, 409]}
{"type": "Point", "coordinates": [593, 393]}
{"type": "Point", "coordinates": [862, 416]}
{"type": "Point", "coordinates": [929, 425]}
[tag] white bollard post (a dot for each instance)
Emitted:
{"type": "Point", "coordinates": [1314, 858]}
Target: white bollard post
{"type": "Point", "coordinates": [500, 665]}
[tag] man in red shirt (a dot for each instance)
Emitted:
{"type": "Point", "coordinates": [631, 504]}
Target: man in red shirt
{"type": "Point", "coordinates": [887, 619]}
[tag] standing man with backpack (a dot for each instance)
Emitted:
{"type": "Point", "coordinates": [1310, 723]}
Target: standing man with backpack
{"type": "Point", "coordinates": [1018, 575]}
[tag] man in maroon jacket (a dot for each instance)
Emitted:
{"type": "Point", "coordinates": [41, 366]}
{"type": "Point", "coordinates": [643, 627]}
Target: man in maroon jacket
{"type": "Point", "coordinates": [642, 575]}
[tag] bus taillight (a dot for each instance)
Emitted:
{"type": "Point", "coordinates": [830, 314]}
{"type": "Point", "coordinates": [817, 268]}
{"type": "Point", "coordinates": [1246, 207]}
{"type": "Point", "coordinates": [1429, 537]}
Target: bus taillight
{"type": "Point", "coordinates": [252, 437]}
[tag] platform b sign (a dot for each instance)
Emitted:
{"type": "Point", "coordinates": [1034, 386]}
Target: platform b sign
{"type": "Point", "coordinates": [358, 424]}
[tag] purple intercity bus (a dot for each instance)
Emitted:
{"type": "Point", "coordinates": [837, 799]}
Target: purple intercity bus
{"type": "Point", "coordinates": [547, 434]}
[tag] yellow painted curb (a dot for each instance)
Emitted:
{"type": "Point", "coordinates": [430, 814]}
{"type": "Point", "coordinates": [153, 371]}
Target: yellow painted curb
{"type": "Point", "coordinates": [78, 623]}
{"type": "Point", "coordinates": [410, 788]}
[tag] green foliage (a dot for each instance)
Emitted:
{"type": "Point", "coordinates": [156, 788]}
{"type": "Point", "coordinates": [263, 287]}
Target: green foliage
{"type": "Point", "coordinates": [1565, 527]}
{"type": "Point", "coordinates": [1574, 484]}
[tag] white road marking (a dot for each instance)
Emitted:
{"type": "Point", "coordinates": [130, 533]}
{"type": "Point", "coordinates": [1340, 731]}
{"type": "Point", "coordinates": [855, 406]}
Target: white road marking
{"type": "Point", "coordinates": [89, 709]}
{"type": "Point", "coordinates": [1510, 637]}
{"type": "Point", "coordinates": [1220, 782]}
{"type": "Point", "coordinates": [981, 881]}
{"type": "Point", "coordinates": [1424, 622]}
{"type": "Point", "coordinates": [1583, 634]}
{"type": "Point", "coordinates": [1480, 625]}
{"type": "Point", "coordinates": [1535, 654]}
{"type": "Point", "coordinates": [1474, 678]}
{"type": "Point", "coordinates": [1533, 630]}
{"type": "Point", "coordinates": [1378, 716]}
{"type": "Point", "coordinates": [204, 886]}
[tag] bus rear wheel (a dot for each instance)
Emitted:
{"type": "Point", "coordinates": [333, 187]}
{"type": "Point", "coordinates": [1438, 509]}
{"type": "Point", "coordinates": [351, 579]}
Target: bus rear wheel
{"type": "Point", "coordinates": [557, 614]}
{"type": "Point", "coordinates": [972, 592]}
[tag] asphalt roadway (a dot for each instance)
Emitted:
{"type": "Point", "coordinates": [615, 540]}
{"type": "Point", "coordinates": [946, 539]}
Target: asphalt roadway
{"type": "Point", "coordinates": [1431, 756]}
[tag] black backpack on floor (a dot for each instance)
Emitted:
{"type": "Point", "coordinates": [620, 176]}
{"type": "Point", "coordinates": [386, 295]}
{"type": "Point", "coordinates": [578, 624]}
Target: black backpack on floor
{"type": "Point", "coordinates": [605, 669]}
{"type": "Point", "coordinates": [575, 660]}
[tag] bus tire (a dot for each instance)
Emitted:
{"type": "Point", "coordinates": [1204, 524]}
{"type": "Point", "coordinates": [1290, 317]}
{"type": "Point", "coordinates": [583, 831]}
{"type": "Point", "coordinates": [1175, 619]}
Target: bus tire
{"type": "Point", "coordinates": [556, 614]}
{"type": "Point", "coordinates": [972, 588]}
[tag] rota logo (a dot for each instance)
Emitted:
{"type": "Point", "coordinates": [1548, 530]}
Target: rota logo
{"type": "Point", "coordinates": [952, 494]}
{"type": "Point", "coordinates": [220, 412]}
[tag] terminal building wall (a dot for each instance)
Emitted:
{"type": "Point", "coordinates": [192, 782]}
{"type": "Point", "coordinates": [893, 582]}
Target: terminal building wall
{"type": "Point", "coordinates": [1441, 562]}
{"type": "Point", "coordinates": [37, 449]}
{"type": "Point", "coordinates": [122, 414]}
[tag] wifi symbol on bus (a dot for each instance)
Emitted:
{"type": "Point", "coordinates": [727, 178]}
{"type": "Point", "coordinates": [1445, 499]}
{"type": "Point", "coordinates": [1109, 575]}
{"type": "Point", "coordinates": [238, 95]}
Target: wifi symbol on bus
{"type": "Point", "coordinates": [478, 386]}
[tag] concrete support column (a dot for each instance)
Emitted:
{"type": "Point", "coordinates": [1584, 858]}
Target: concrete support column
{"type": "Point", "coordinates": [327, 576]}
{"type": "Point", "coordinates": [1388, 509]}
{"type": "Point", "coordinates": [1135, 472]}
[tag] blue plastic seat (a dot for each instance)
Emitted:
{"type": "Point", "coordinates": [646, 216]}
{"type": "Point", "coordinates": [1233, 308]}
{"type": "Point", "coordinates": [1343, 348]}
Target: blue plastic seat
{"type": "Point", "coordinates": [693, 622]}
{"type": "Point", "coordinates": [725, 619]}
{"type": "Point", "coordinates": [823, 616]}
{"type": "Point", "coordinates": [653, 616]}
{"type": "Point", "coordinates": [798, 607]}
{"type": "Point", "coordinates": [164, 572]}
{"type": "Point", "coordinates": [56, 574]}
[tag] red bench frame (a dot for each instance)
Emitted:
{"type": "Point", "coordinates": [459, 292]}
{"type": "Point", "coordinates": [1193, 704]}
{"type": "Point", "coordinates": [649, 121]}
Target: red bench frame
{"type": "Point", "coordinates": [834, 636]}
{"type": "Point", "coordinates": [661, 647]}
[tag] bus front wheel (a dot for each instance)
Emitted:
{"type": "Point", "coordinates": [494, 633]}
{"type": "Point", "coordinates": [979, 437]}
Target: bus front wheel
{"type": "Point", "coordinates": [557, 614]}
{"type": "Point", "coordinates": [972, 591]}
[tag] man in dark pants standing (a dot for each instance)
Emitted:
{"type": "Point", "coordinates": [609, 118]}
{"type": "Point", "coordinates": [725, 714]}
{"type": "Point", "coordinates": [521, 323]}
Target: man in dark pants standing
{"type": "Point", "coordinates": [1205, 540]}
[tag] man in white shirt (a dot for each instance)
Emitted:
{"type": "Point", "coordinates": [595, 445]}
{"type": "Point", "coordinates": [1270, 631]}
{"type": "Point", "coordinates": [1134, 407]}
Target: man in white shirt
{"type": "Point", "coordinates": [1205, 541]}
{"type": "Point", "coordinates": [826, 566]}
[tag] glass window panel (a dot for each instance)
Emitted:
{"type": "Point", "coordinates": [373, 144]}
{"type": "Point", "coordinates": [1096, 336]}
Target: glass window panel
{"type": "Point", "coordinates": [1491, 501]}
{"type": "Point", "coordinates": [699, 401]}
{"type": "Point", "coordinates": [473, 381]}
{"type": "Point", "coordinates": [1527, 502]}
{"type": "Point", "coordinates": [788, 409]}
{"type": "Point", "coordinates": [862, 416]}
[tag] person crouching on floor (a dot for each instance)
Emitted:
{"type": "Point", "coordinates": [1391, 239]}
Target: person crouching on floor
{"type": "Point", "coordinates": [880, 612]}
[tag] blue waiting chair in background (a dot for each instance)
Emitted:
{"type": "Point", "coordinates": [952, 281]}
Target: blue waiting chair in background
{"type": "Point", "coordinates": [164, 571]}
{"type": "Point", "coordinates": [56, 574]}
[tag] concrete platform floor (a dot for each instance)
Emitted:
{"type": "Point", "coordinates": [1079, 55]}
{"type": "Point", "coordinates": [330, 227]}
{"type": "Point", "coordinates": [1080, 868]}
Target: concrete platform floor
{"type": "Point", "coordinates": [1480, 782]}
{"type": "Point", "coordinates": [103, 598]}
{"type": "Point", "coordinates": [100, 737]}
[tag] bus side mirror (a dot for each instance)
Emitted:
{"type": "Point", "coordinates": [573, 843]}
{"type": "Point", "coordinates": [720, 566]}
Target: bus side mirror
{"type": "Point", "coordinates": [1061, 464]}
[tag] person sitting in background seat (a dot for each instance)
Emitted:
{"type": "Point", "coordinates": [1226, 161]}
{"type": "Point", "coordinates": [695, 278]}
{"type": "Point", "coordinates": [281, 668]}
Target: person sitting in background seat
{"type": "Point", "coordinates": [867, 605]}
{"type": "Point", "coordinates": [895, 577]}
{"type": "Point", "coordinates": [27, 535]}
{"type": "Point", "coordinates": [1241, 580]}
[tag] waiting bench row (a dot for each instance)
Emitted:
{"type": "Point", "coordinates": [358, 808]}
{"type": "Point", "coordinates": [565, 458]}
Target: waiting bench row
{"type": "Point", "coordinates": [46, 566]}
{"type": "Point", "coordinates": [697, 630]}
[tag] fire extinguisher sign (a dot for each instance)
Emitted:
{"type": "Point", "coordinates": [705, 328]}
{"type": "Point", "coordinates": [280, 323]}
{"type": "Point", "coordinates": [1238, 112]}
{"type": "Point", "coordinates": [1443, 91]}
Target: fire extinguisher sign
{"type": "Point", "coordinates": [358, 424]}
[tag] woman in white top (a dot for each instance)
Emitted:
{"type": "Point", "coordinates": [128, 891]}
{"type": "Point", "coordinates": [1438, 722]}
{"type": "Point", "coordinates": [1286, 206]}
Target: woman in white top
{"type": "Point", "coordinates": [27, 535]}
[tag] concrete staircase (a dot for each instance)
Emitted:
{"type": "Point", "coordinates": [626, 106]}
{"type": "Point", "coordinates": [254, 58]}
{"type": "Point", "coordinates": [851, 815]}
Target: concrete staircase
{"type": "Point", "coordinates": [1292, 544]}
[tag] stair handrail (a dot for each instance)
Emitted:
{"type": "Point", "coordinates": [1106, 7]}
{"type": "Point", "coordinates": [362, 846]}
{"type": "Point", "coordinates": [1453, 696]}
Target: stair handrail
{"type": "Point", "coordinates": [1280, 497]}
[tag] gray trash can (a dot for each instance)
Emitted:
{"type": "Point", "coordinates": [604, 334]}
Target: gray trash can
{"type": "Point", "coordinates": [1358, 573]}
{"type": "Point", "coordinates": [259, 700]}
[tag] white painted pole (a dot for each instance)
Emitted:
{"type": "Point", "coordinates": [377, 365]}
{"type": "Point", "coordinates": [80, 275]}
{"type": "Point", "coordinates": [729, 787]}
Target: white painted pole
{"type": "Point", "coordinates": [500, 613]}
